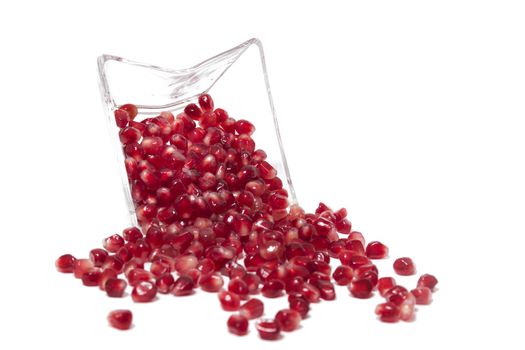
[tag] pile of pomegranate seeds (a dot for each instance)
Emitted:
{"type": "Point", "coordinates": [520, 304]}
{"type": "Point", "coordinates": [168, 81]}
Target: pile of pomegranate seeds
{"type": "Point", "coordinates": [211, 207]}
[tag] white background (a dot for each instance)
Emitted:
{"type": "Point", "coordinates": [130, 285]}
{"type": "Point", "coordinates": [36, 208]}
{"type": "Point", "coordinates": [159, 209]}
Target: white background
{"type": "Point", "coordinates": [408, 113]}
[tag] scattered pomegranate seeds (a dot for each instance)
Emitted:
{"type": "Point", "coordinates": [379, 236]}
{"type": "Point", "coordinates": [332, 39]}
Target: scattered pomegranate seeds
{"type": "Point", "coordinates": [120, 319]}
{"type": "Point", "coordinates": [210, 206]}
{"type": "Point", "coordinates": [404, 267]}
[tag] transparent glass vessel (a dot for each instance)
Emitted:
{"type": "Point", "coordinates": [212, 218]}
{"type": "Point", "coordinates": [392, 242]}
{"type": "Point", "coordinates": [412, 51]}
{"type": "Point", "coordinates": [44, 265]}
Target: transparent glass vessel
{"type": "Point", "coordinates": [237, 80]}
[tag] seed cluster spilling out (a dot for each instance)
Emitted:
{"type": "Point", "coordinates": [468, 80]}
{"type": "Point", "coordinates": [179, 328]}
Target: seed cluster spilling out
{"type": "Point", "coordinates": [210, 207]}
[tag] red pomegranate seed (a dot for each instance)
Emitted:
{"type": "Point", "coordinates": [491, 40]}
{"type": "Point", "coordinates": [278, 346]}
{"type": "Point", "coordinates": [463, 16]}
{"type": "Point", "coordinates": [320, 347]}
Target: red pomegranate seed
{"type": "Point", "coordinates": [253, 308]}
{"type": "Point", "coordinates": [115, 287]}
{"type": "Point", "coordinates": [356, 235]}
{"type": "Point", "coordinates": [165, 283]}
{"type": "Point", "coordinates": [122, 118]}
{"type": "Point", "coordinates": [407, 307]}
{"type": "Point", "coordinates": [272, 288]}
{"type": "Point", "coordinates": [120, 319]}
{"type": "Point", "coordinates": [65, 263]}
{"type": "Point", "coordinates": [384, 284]}
{"type": "Point", "coordinates": [299, 304]}
{"type": "Point", "coordinates": [135, 276]}
{"type": "Point", "coordinates": [91, 278]}
{"type": "Point", "coordinates": [239, 287]}
{"type": "Point", "coordinates": [428, 281]}
{"type": "Point", "coordinates": [268, 329]}
{"type": "Point", "coordinates": [206, 102]}
{"type": "Point", "coordinates": [343, 275]}
{"type": "Point", "coordinates": [143, 292]}
{"type": "Point", "coordinates": [343, 226]}
{"type": "Point", "coordinates": [376, 250]}
{"type": "Point", "coordinates": [211, 283]}
{"type": "Point", "coordinates": [229, 301]}
{"type": "Point", "coordinates": [98, 256]}
{"type": "Point", "coordinates": [183, 286]}
{"type": "Point", "coordinates": [396, 294]}
{"type": "Point", "coordinates": [288, 319]}
{"type": "Point", "coordinates": [244, 127]}
{"type": "Point", "coordinates": [193, 111]}
{"type": "Point", "coordinates": [129, 135]}
{"type": "Point", "coordinates": [113, 243]}
{"type": "Point", "coordinates": [423, 295]}
{"type": "Point", "coordinates": [81, 266]}
{"type": "Point", "coordinates": [361, 288]}
{"type": "Point", "coordinates": [131, 109]}
{"type": "Point", "coordinates": [252, 281]}
{"type": "Point", "coordinates": [388, 312]}
{"type": "Point", "coordinates": [404, 266]}
{"type": "Point", "coordinates": [310, 293]}
{"type": "Point", "coordinates": [104, 276]}
{"type": "Point", "coordinates": [238, 325]}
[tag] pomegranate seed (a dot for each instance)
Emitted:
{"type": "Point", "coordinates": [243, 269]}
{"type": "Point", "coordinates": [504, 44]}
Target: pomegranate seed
{"type": "Point", "coordinates": [104, 276]}
{"type": "Point", "coordinates": [81, 266]}
{"type": "Point", "coordinates": [299, 304]}
{"type": "Point", "coordinates": [98, 257]}
{"type": "Point", "coordinates": [65, 263]}
{"type": "Point", "coordinates": [423, 295]}
{"type": "Point", "coordinates": [122, 118]}
{"type": "Point", "coordinates": [272, 288]}
{"type": "Point", "coordinates": [404, 266]}
{"type": "Point", "coordinates": [91, 278]}
{"type": "Point", "coordinates": [165, 283]}
{"type": "Point", "coordinates": [143, 292]}
{"type": "Point", "coordinates": [244, 127]}
{"type": "Point", "coordinates": [252, 281]}
{"type": "Point", "coordinates": [211, 283]}
{"type": "Point", "coordinates": [356, 235]}
{"type": "Point", "coordinates": [229, 301]}
{"type": "Point", "coordinates": [361, 288]}
{"type": "Point", "coordinates": [120, 319]}
{"type": "Point", "coordinates": [193, 111]}
{"type": "Point", "coordinates": [428, 281]}
{"type": "Point", "coordinates": [238, 325]}
{"type": "Point", "coordinates": [288, 320]}
{"type": "Point", "coordinates": [239, 287]}
{"type": "Point", "coordinates": [407, 307]}
{"type": "Point", "coordinates": [206, 102]}
{"type": "Point", "coordinates": [384, 284]}
{"type": "Point", "coordinates": [268, 329]}
{"type": "Point", "coordinates": [135, 276]}
{"type": "Point", "coordinates": [131, 109]}
{"type": "Point", "coordinates": [113, 243]}
{"type": "Point", "coordinates": [183, 286]}
{"type": "Point", "coordinates": [129, 135]}
{"type": "Point", "coordinates": [396, 294]}
{"type": "Point", "coordinates": [388, 312]}
{"type": "Point", "coordinates": [253, 308]}
{"type": "Point", "coordinates": [115, 287]}
{"type": "Point", "coordinates": [376, 250]}
{"type": "Point", "coordinates": [343, 275]}
{"type": "Point", "coordinates": [343, 226]}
